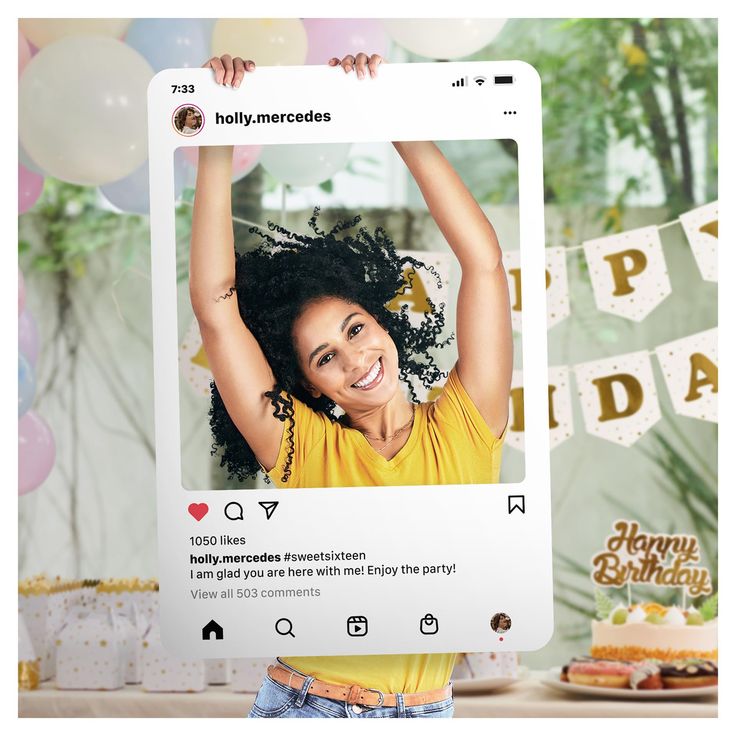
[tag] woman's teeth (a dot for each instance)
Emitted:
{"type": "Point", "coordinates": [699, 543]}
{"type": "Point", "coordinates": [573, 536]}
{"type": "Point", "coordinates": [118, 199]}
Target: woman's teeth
{"type": "Point", "coordinates": [369, 377]}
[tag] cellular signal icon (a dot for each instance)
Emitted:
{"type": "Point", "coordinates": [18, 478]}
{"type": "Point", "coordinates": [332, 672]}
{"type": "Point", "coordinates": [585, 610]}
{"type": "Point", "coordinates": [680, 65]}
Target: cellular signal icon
{"type": "Point", "coordinates": [479, 80]}
{"type": "Point", "coordinates": [463, 82]}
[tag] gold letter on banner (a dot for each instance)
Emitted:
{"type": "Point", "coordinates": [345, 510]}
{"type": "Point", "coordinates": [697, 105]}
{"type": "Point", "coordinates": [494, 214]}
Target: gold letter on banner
{"type": "Point", "coordinates": [701, 228]}
{"type": "Point", "coordinates": [699, 363]}
{"type": "Point", "coordinates": [423, 286]}
{"type": "Point", "coordinates": [559, 407]}
{"type": "Point", "coordinates": [414, 294]}
{"type": "Point", "coordinates": [621, 274]}
{"type": "Point", "coordinates": [628, 272]}
{"type": "Point", "coordinates": [631, 377]}
{"type": "Point", "coordinates": [689, 365]}
{"type": "Point", "coordinates": [512, 266]}
{"type": "Point", "coordinates": [634, 396]}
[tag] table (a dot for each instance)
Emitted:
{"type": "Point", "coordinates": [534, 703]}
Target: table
{"type": "Point", "coordinates": [527, 698]}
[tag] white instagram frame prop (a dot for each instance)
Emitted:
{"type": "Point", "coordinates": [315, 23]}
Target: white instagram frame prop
{"type": "Point", "coordinates": [503, 560]}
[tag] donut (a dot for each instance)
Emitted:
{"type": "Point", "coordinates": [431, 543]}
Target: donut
{"type": "Point", "coordinates": [686, 673]}
{"type": "Point", "coordinates": [563, 671]}
{"type": "Point", "coordinates": [601, 673]}
{"type": "Point", "coordinates": [646, 676]}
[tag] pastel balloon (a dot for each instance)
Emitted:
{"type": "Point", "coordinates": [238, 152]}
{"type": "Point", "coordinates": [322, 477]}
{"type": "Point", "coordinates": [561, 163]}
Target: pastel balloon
{"type": "Point", "coordinates": [328, 37]}
{"type": "Point", "coordinates": [444, 38]}
{"type": "Point", "coordinates": [170, 43]}
{"type": "Point", "coordinates": [28, 336]}
{"type": "Point", "coordinates": [268, 41]}
{"type": "Point", "coordinates": [28, 162]}
{"type": "Point", "coordinates": [21, 292]}
{"type": "Point", "coordinates": [132, 194]}
{"type": "Point", "coordinates": [26, 385]}
{"type": "Point", "coordinates": [82, 109]}
{"type": "Point", "coordinates": [36, 452]}
{"type": "Point", "coordinates": [30, 186]}
{"type": "Point", "coordinates": [44, 31]}
{"type": "Point", "coordinates": [24, 52]}
{"type": "Point", "coordinates": [304, 164]}
{"type": "Point", "coordinates": [245, 159]}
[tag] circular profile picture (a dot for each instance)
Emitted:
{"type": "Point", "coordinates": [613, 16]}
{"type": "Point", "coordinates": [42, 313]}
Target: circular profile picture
{"type": "Point", "coordinates": [501, 622]}
{"type": "Point", "coordinates": [188, 120]}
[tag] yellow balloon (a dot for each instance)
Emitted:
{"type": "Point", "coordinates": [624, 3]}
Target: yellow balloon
{"type": "Point", "coordinates": [267, 41]}
{"type": "Point", "coordinates": [43, 31]}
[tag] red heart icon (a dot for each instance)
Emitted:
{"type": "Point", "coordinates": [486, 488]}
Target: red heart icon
{"type": "Point", "coordinates": [198, 510]}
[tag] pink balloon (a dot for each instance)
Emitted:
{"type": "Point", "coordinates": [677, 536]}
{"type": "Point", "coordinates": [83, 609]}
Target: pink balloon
{"type": "Point", "coordinates": [30, 186]}
{"type": "Point", "coordinates": [28, 336]}
{"type": "Point", "coordinates": [245, 159]}
{"type": "Point", "coordinates": [328, 37]}
{"type": "Point", "coordinates": [24, 52]}
{"type": "Point", "coordinates": [21, 292]}
{"type": "Point", "coordinates": [36, 452]}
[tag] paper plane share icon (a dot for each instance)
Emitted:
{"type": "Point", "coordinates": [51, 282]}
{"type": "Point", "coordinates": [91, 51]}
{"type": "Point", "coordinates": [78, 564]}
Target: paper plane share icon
{"type": "Point", "coordinates": [269, 507]}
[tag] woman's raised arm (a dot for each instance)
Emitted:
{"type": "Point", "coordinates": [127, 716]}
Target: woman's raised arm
{"type": "Point", "coordinates": [238, 365]}
{"type": "Point", "coordinates": [484, 337]}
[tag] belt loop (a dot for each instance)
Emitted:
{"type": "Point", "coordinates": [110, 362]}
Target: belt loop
{"type": "Point", "coordinates": [304, 691]}
{"type": "Point", "coordinates": [400, 707]}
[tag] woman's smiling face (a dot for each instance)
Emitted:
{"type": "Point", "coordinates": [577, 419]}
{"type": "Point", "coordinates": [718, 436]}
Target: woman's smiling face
{"type": "Point", "coordinates": [345, 354]}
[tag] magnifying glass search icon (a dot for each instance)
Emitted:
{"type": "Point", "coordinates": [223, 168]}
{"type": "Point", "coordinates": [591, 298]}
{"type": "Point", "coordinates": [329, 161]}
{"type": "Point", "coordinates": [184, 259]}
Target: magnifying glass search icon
{"type": "Point", "coordinates": [285, 627]}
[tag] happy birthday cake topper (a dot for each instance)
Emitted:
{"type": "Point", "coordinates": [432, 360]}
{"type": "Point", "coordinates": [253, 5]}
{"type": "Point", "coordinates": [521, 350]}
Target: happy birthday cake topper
{"type": "Point", "coordinates": [666, 560]}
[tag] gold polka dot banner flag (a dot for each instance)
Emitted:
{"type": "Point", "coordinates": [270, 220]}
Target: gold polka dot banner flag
{"type": "Point", "coordinates": [515, 434]}
{"type": "Point", "coordinates": [701, 228]}
{"type": "Point", "coordinates": [618, 397]}
{"type": "Point", "coordinates": [512, 265]}
{"type": "Point", "coordinates": [628, 272]}
{"type": "Point", "coordinates": [193, 362]}
{"type": "Point", "coordinates": [560, 408]}
{"type": "Point", "coordinates": [558, 294]}
{"type": "Point", "coordinates": [560, 405]}
{"type": "Point", "coordinates": [690, 369]}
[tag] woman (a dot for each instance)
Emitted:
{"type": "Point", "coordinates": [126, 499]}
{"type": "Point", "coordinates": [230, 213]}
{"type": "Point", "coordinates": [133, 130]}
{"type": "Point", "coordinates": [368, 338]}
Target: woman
{"type": "Point", "coordinates": [187, 121]}
{"type": "Point", "coordinates": [288, 341]}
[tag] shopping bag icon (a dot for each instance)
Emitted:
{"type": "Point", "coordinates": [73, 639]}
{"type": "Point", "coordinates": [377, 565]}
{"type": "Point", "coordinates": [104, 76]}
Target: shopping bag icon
{"type": "Point", "coordinates": [429, 624]}
{"type": "Point", "coordinates": [357, 625]}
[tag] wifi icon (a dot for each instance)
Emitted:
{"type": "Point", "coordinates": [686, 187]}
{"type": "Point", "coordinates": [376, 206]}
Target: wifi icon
{"type": "Point", "coordinates": [479, 80]}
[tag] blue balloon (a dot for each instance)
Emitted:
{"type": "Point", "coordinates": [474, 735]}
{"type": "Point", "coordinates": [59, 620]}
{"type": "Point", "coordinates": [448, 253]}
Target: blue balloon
{"type": "Point", "coordinates": [26, 385]}
{"type": "Point", "coordinates": [131, 194]}
{"type": "Point", "coordinates": [171, 43]}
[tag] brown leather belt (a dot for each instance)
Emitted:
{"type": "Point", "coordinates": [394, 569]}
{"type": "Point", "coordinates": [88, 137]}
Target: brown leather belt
{"type": "Point", "coordinates": [355, 694]}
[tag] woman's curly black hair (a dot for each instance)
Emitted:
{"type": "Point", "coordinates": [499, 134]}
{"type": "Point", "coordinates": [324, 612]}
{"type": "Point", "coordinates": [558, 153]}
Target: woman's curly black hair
{"type": "Point", "coordinates": [278, 279]}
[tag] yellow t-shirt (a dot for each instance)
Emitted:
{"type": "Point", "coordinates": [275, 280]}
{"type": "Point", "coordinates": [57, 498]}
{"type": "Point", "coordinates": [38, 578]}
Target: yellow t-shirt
{"type": "Point", "coordinates": [449, 443]}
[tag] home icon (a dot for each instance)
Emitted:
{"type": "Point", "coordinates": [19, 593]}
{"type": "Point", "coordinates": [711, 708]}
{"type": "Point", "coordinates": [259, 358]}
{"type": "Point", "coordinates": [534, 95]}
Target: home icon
{"type": "Point", "coordinates": [212, 628]}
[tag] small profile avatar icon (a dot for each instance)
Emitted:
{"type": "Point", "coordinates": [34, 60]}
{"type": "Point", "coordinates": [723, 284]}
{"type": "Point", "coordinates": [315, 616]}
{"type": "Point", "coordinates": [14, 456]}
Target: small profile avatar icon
{"type": "Point", "coordinates": [188, 120]}
{"type": "Point", "coordinates": [501, 622]}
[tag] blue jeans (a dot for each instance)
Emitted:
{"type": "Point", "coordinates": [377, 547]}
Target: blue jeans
{"type": "Point", "coordinates": [275, 700]}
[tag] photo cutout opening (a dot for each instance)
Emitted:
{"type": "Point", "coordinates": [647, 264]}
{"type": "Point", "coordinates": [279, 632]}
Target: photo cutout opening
{"type": "Point", "coordinates": [351, 404]}
{"type": "Point", "coordinates": [363, 249]}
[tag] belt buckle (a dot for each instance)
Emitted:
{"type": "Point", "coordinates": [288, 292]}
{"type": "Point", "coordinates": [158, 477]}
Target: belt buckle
{"type": "Point", "coordinates": [380, 702]}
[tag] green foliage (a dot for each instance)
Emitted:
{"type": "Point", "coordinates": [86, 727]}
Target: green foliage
{"type": "Point", "coordinates": [709, 608]}
{"type": "Point", "coordinates": [607, 80]}
{"type": "Point", "coordinates": [603, 605]}
{"type": "Point", "coordinates": [73, 228]}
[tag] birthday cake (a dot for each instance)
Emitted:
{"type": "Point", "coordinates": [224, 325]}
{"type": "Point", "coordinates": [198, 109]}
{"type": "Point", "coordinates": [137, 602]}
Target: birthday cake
{"type": "Point", "coordinates": [652, 631]}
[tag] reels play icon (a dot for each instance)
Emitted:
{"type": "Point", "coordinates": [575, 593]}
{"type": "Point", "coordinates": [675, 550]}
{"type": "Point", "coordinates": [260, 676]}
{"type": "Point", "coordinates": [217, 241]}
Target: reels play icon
{"type": "Point", "coordinates": [357, 626]}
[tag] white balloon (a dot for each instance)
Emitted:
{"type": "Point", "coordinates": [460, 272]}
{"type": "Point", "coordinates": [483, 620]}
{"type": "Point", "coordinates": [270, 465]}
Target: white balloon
{"type": "Point", "coordinates": [82, 109]}
{"type": "Point", "coordinates": [444, 38]}
{"type": "Point", "coordinates": [304, 164]}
